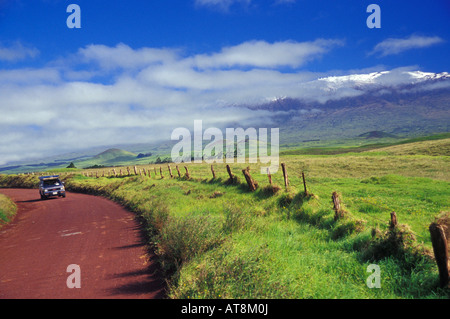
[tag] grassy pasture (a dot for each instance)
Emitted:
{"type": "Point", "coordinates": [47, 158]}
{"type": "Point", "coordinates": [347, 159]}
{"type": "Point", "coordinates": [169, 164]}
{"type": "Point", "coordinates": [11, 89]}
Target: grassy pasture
{"type": "Point", "coordinates": [216, 239]}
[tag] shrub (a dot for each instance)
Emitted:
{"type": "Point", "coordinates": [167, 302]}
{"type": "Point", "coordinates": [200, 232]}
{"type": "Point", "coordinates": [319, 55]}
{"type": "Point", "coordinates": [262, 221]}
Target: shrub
{"type": "Point", "coordinates": [181, 239]}
{"type": "Point", "coordinates": [8, 209]}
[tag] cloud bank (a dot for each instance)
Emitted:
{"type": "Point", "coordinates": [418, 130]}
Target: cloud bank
{"type": "Point", "coordinates": [17, 52]}
{"type": "Point", "coordinates": [108, 95]}
{"type": "Point", "coordinates": [394, 46]}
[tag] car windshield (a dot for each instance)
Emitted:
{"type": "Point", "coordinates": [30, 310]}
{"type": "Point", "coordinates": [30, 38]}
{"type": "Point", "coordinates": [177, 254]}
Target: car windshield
{"type": "Point", "coordinates": [52, 182]}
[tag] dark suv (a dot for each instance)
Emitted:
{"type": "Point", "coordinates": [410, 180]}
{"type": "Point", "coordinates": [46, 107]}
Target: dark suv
{"type": "Point", "coordinates": [51, 186]}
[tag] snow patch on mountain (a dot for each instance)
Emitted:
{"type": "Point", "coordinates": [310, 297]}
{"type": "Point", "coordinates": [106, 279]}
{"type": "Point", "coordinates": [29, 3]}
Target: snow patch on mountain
{"type": "Point", "coordinates": [384, 78]}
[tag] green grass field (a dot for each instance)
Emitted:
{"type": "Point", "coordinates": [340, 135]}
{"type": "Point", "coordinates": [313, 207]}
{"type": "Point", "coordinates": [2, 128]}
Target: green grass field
{"type": "Point", "coordinates": [216, 239]}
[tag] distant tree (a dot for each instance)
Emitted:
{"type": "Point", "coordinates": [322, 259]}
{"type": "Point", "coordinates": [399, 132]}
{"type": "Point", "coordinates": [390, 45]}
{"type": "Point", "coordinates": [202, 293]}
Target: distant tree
{"type": "Point", "coordinates": [141, 155]}
{"type": "Point", "coordinates": [95, 166]}
{"type": "Point", "coordinates": [158, 160]}
{"type": "Point", "coordinates": [71, 165]}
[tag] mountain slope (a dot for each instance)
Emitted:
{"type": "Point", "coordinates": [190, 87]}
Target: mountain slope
{"type": "Point", "coordinates": [419, 108]}
{"type": "Point", "coordinates": [400, 104]}
{"type": "Point", "coordinates": [113, 154]}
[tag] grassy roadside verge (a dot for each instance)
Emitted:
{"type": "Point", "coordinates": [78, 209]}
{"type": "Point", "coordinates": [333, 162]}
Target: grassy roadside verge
{"type": "Point", "coordinates": [216, 240]}
{"type": "Point", "coordinates": [8, 210]}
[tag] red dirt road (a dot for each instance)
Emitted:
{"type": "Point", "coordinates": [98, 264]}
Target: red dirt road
{"type": "Point", "coordinates": [98, 235]}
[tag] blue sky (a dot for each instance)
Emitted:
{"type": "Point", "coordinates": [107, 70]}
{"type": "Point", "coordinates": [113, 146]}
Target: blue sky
{"type": "Point", "coordinates": [208, 25]}
{"type": "Point", "coordinates": [140, 69]}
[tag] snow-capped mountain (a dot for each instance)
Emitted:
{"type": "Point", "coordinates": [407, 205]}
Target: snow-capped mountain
{"type": "Point", "coordinates": [336, 87]}
{"type": "Point", "coordinates": [404, 103]}
{"type": "Point", "coordinates": [383, 78]}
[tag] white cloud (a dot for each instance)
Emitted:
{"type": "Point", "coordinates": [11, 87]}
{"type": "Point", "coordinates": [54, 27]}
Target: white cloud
{"type": "Point", "coordinates": [29, 76]}
{"type": "Point", "coordinates": [122, 56]}
{"type": "Point", "coordinates": [221, 4]}
{"type": "Point", "coordinates": [393, 46]}
{"type": "Point", "coordinates": [285, 1]}
{"type": "Point", "coordinates": [225, 5]}
{"type": "Point", "coordinates": [17, 52]}
{"type": "Point", "coordinates": [267, 55]}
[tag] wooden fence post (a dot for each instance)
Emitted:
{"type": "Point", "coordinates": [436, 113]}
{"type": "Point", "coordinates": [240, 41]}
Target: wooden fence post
{"type": "Point", "coordinates": [229, 172]}
{"type": "Point", "coordinates": [270, 176]}
{"type": "Point", "coordinates": [135, 170]}
{"type": "Point", "coordinates": [187, 172]}
{"type": "Point", "coordinates": [286, 182]}
{"type": "Point", "coordinates": [170, 171]}
{"type": "Point", "coordinates": [213, 173]}
{"type": "Point", "coordinates": [304, 184]}
{"type": "Point", "coordinates": [178, 170]}
{"type": "Point", "coordinates": [337, 206]}
{"type": "Point", "coordinates": [160, 172]}
{"type": "Point", "coordinates": [394, 221]}
{"type": "Point", "coordinates": [114, 170]}
{"type": "Point", "coordinates": [128, 169]}
{"type": "Point", "coordinates": [440, 249]}
{"type": "Point", "coordinates": [251, 183]}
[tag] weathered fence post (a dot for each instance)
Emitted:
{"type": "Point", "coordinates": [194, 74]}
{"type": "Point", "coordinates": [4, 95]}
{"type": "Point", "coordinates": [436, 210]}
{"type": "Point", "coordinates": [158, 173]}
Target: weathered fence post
{"type": "Point", "coordinates": [135, 170]}
{"type": "Point", "coordinates": [286, 182]}
{"type": "Point", "coordinates": [170, 171]}
{"type": "Point", "coordinates": [187, 172]}
{"type": "Point", "coordinates": [251, 183]}
{"type": "Point", "coordinates": [229, 172]}
{"type": "Point", "coordinates": [114, 170]}
{"type": "Point", "coordinates": [337, 206]}
{"type": "Point", "coordinates": [128, 169]}
{"type": "Point", "coordinates": [160, 172]}
{"type": "Point", "coordinates": [270, 176]}
{"type": "Point", "coordinates": [213, 173]}
{"type": "Point", "coordinates": [304, 184]}
{"type": "Point", "coordinates": [440, 249]}
{"type": "Point", "coordinates": [178, 170]}
{"type": "Point", "coordinates": [394, 221]}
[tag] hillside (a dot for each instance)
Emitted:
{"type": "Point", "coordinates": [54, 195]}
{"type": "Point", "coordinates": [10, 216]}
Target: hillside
{"type": "Point", "coordinates": [374, 112]}
{"type": "Point", "coordinates": [217, 239]}
{"type": "Point", "coordinates": [401, 112]}
{"type": "Point", "coordinates": [430, 148]}
{"type": "Point", "coordinates": [112, 155]}
{"type": "Point", "coordinates": [376, 134]}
